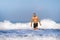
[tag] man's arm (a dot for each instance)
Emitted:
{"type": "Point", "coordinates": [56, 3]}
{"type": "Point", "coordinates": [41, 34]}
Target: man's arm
{"type": "Point", "coordinates": [39, 22]}
{"type": "Point", "coordinates": [31, 22]}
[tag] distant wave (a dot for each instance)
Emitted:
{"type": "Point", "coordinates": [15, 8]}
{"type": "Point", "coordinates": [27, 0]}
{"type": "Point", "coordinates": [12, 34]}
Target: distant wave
{"type": "Point", "coordinates": [46, 24]}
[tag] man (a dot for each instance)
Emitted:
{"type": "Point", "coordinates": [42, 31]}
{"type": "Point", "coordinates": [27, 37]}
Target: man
{"type": "Point", "coordinates": [35, 21]}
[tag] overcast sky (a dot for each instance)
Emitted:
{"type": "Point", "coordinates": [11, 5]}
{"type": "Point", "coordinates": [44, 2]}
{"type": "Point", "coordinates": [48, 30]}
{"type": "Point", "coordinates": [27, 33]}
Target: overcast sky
{"type": "Point", "coordinates": [22, 10]}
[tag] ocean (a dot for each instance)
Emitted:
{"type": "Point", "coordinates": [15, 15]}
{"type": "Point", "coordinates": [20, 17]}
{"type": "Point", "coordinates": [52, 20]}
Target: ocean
{"type": "Point", "coordinates": [23, 31]}
{"type": "Point", "coordinates": [27, 34]}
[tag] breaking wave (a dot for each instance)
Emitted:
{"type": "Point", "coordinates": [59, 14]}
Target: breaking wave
{"type": "Point", "coordinates": [46, 24]}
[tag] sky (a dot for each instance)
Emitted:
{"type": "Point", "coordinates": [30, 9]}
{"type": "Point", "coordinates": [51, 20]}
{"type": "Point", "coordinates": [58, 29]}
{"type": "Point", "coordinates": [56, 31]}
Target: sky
{"type": "Point", "coordinates": [22, 10]}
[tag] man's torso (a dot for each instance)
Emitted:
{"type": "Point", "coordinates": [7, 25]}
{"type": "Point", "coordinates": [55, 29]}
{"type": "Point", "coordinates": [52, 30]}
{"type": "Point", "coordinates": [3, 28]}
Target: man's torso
{"type": "Point", "coordinates": [35, 19]}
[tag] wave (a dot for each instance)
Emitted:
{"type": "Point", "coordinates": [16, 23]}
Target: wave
{"type": "Point", "coordinates": [30, 38]}
{"type": "Point", "coordinates": [46, 24]}
{"type": "Point", "coordinates": [30, 34]}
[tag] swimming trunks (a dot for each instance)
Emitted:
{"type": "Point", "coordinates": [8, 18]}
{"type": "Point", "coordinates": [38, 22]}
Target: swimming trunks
{"type": "Point", "coordinates": [35, 25]}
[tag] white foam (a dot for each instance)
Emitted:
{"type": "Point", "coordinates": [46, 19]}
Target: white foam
{"type": "Point", "coordinates": [29, 38]}
{"type": "Point", "coordinates": [49, 24]}
{"type": "Point", "coordinates": [46, 24]}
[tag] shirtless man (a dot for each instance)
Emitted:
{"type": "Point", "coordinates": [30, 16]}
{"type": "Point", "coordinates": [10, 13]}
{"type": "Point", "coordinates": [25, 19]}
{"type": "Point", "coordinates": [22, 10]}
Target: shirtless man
{"type": "Point", "coordinates": [35, 21]}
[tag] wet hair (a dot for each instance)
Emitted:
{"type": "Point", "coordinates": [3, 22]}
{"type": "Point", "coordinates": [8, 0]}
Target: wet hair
{"type": "Point", "coordinates": [34, 14]}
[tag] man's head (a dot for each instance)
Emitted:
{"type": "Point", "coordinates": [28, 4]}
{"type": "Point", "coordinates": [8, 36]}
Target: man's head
{"type": "Point", "coordinates": [34, 14]}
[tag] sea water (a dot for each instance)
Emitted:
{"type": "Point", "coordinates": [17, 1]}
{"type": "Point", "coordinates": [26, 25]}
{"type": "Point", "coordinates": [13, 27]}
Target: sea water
{"type": "Point", "coordinates": [23, 31]}
{"type": "Point", "coordinates": [25, 34]}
